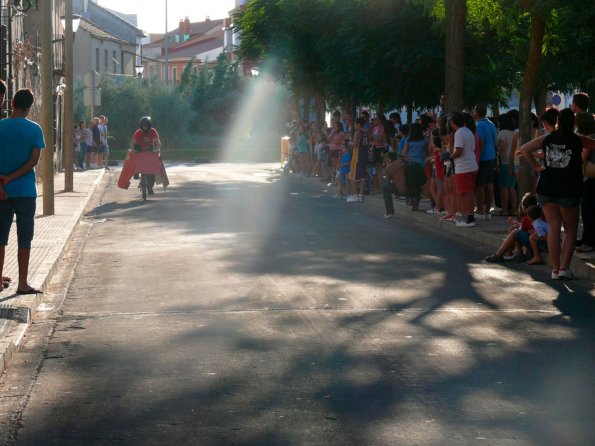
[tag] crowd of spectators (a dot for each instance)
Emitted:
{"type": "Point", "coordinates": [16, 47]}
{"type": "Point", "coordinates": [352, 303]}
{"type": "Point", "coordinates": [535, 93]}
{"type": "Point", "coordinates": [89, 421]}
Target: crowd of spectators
{"type": "Point", "coordinates": [469, 167]}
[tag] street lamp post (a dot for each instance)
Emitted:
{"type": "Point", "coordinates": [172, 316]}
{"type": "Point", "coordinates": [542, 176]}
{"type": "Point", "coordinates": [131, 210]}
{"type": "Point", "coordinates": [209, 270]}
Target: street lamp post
{"type": "Point", "coordinates": [166, 48]}
{"type": "Point", "coordinates": [68, 98]}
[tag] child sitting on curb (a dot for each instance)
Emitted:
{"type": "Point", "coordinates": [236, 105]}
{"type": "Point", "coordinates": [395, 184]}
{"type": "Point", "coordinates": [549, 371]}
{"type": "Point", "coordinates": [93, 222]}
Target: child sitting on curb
{"type": "Point", "coordinates": [538, 236]}
{"type": "Point", "coordinates": [505, 251]}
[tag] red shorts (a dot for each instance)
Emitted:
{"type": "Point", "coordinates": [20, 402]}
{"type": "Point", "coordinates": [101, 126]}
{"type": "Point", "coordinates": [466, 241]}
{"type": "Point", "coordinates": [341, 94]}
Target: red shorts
{"type": "Point", "coordinates": [465, 182]}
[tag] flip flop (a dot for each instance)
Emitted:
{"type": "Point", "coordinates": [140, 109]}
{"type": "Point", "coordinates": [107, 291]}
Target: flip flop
{"type": "Point", "coordinates": [31, 291]}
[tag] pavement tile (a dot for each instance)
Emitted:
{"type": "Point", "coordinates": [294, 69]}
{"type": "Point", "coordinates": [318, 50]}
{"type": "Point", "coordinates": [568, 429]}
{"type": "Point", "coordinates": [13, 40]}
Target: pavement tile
{"type": "Point", "coordinates": [52, 235]}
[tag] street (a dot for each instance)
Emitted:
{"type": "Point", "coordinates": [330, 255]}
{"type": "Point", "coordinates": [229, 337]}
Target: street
{"type": "Point", "coordinates": [241, 307]}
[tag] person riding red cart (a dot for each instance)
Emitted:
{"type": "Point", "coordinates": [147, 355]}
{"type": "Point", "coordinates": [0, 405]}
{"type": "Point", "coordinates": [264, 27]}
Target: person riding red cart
{"type": "Point", "coordinates": [144, 159]}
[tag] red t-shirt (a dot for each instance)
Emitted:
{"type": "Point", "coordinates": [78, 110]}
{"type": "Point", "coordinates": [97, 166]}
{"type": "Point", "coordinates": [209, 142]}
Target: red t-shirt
{"type": "Point", "coordinates": [145, 140]}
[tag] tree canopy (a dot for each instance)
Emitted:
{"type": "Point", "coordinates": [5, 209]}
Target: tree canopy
{"type": "Point", "coordinates": [392, 53]}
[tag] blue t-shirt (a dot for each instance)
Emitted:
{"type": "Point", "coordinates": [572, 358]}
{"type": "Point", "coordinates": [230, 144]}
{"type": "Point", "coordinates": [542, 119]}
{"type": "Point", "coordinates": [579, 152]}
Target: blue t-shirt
{"type": "Point", "coordinates": [345, 159]}
{"type": "Point", "coordinates": [18, 138]}
{"type": "Point", "coordinates": [486, 130]}
{"type": "Point", "coordinates": [402, 144]}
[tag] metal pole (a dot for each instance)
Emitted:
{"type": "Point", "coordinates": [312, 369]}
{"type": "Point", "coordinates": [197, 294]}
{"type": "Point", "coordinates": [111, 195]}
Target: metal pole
{"type": "Point", "coordinates": [47, 96]}
{"type": "Point", "coordinates": [68, 100]}
{"type": "Point", "coordinates": [166, 48]}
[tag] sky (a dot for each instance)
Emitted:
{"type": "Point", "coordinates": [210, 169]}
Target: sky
{"type": "Point", "coordinates": [151, 13]}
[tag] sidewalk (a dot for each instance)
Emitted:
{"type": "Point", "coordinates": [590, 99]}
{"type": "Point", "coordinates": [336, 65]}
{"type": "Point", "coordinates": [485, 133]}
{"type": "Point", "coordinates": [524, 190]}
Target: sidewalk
{"type": "Point", "coordinates": [487, 232]}
{"type": "Point", "coordinates": [52, 235]}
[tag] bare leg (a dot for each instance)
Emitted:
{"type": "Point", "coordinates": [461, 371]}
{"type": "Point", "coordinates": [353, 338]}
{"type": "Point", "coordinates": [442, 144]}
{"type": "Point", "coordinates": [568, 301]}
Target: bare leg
{"type": "Point", "coordinates": [570, 220]}
{"type": "Point", "coordinates": [480, 199]}
{"type": "Point", "coordinates": [554, 220]}
{"type": "Point", "coordinates": [489, 198]}
{"type": "Point", "coordinates": [507, 244]}
{"type": "Point", "coordinates": [536, 259]}
{"type": "Point", "coordinates": [23, 261]}
{"type": "Point", "coordinates": [504, 199]}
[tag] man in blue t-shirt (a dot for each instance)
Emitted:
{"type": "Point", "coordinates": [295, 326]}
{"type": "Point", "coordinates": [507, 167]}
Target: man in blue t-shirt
{"type": "Point", "coordinates": [484, 183]}
{"type": "Point", "coordinates": [21, 141]}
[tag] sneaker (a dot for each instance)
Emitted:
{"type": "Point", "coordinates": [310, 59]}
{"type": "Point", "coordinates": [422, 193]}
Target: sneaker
{"type": "Point", "coordinates": [555, 275]}
{"type": "Point", "coordinates": [432, 211]}
{"type": "Point", "coordinates": [465, 224]}
{"type": "Point", "coordinates": [388, 216]}
{"type": "Point", "coordinates": [352, 199]}
{"type": "Point", "coordinates": [447, 217]}
{"type": "Point", "coordinates": [494, 259]}
{"type": "Point", "coordinates": [566, 274]}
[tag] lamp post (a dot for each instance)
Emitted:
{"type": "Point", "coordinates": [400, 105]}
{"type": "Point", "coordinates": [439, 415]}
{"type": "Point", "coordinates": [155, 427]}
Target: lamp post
{"type": "Point", "coordinates": [166, 48]}
{"type": "Point", "coordinates": [69, 29]}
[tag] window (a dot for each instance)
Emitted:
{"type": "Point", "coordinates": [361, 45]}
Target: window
{"type": "Point", "coordinates": [174, 76]}
{"type": "Point", "coordinates": [114, 61]}
{"type": "Point", "coordinates": [97, 59]}
{"type": "Point", "coordinates": [105, 65]}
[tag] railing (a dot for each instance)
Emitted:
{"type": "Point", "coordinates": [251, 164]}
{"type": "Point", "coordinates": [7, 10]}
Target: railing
{"type": "Point", "coordinates": [58, 53]}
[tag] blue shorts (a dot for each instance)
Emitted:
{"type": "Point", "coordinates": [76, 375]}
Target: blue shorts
{"type": "Point", "coordinates": [24, 209]}
{"type": "Point", "coordinates": [523, 238]}
{"type": "Point", "coordinates": [506, 181]}
{"type": "Point", "coordinates": [343, 178]}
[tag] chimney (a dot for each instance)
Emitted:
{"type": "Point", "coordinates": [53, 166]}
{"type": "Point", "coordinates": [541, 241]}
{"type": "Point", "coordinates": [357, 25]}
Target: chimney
{"type": "Point", "coordinates": [181, 28]}
{"type": "Point", "coordinates": [187, 26]}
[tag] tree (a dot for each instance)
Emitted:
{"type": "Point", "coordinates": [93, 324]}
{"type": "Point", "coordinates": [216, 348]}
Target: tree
{"type": "Point", "coordinates": [456, 18]}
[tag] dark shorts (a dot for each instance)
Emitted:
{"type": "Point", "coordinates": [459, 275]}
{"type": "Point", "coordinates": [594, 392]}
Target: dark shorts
{"type": "Point", "coordinates": [24, 209]}
{"type": "Point", "coordinates": [562, 202]}
{"type": "Point", "coordinates": [377, 155]}
{"type": "Point", "coordinates": [485, 175]}
{"type": "Point", "coordinates": [361, 169]}
{"type": "Point", "coordinates": [101, 148]}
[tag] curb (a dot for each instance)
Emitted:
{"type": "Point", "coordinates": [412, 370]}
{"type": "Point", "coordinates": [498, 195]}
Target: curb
{"type": "Point", "coordinates": [583, 269]}
{"type": "Point", "coordinates": [21, 315]}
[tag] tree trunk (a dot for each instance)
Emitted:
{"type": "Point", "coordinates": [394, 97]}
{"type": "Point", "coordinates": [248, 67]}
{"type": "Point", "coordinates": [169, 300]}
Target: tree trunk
{"type": "Point", "coordinates": [495, 109]}
{"type": "Point", "coordinates": [540, 97]}
{"type": "Point", "coordinates": [528, 89]}
{"type": "Point", "coordinates": [456, 19]}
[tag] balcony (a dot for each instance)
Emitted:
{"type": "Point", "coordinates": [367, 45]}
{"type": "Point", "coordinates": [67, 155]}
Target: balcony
{"type": "Point", "coordinates": [58, 53]}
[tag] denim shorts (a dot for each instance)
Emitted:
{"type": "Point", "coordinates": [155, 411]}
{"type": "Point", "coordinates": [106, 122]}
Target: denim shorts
{"type": "Point", "coordinates": [562, 202]}
{"type": "Point", "coordinates": [24, 209]}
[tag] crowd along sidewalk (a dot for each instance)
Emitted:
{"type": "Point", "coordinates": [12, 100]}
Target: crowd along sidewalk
{"type": "Point", "coordinates": [490, 233]}
{"type": "Point", "coordinates": [52, 236]}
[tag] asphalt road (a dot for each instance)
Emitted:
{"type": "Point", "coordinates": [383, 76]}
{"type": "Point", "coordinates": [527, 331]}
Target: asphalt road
{"type": "Point", "coordinates": [244, 308]}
